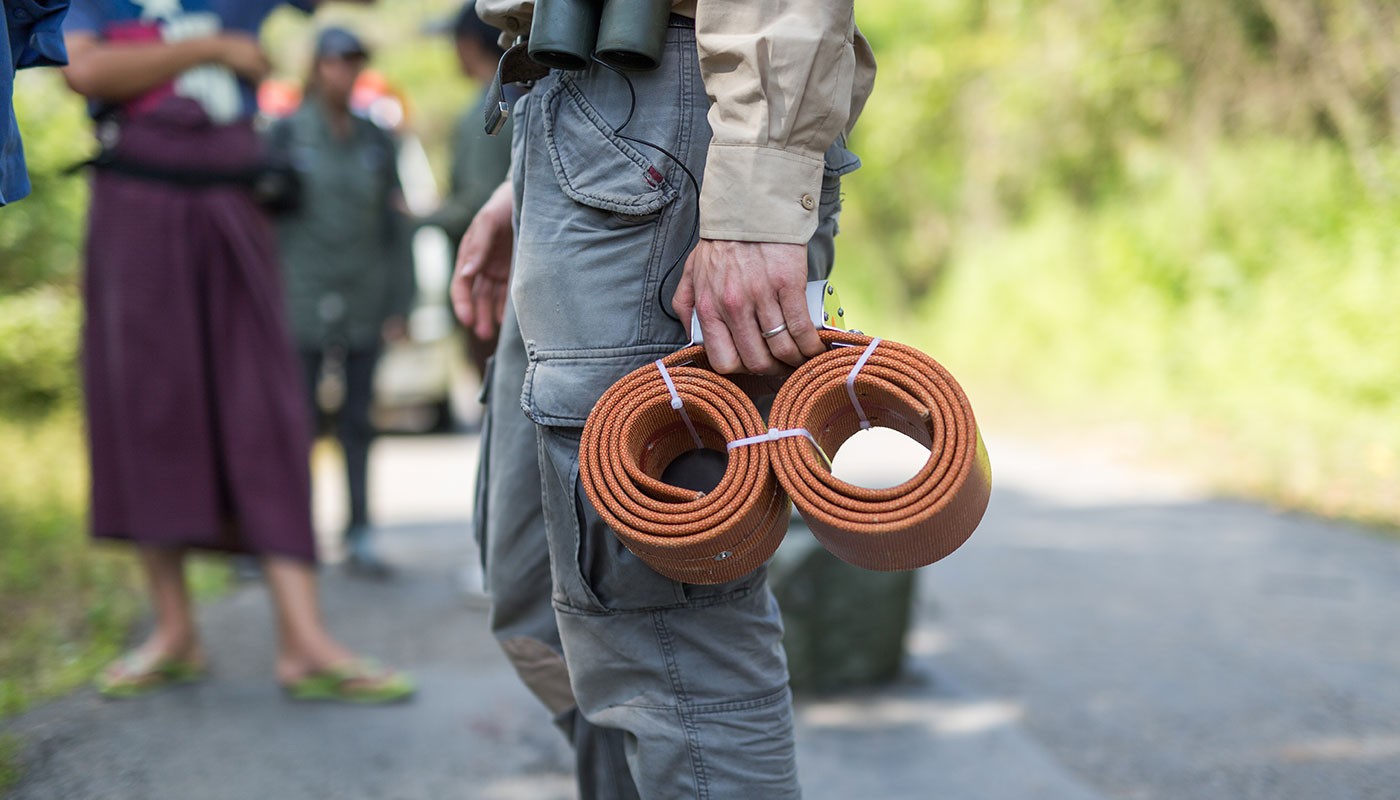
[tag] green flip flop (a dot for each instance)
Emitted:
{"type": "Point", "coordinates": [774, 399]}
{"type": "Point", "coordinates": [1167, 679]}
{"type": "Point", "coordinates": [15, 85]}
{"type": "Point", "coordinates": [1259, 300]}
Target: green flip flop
{"type": "Point", "coordinates": [132, 675]}
{"type": "Point", "coordinates": [358, 681]}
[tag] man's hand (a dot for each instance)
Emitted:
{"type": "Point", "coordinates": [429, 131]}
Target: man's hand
{"type": "Point", "coordinates": [740, 290]}
{"type": "Point", "coordinates": [482, 275]}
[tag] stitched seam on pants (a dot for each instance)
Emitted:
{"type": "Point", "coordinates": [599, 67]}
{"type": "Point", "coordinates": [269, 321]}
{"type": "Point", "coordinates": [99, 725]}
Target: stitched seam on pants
{"type": "Point", "coordinates": [652, 295]}
{"type": "Point", "coordinates": [742, 705]}
{"type": "Point", "coordinates": [692, 733]}
{"type": "Point", "coordinates": [564, 607]}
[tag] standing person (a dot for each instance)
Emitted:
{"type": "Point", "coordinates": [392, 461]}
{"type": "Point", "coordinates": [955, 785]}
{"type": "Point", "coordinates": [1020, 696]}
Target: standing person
{"type": "Point", "coordinates": [196, 419]}
{"type": "Point", "coordinates": [346, 257]}
{"type": "Point", "coordinates": [667, 690]}
{"type": "Point", "coordinates": [479, 162]}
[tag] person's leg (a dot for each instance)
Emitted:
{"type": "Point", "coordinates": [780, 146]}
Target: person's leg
{"type": "Point", "coordinates": [692, 677]}
{"type": "Point", "coordinates": [172, 650]}
{"type": "Point", "coordinates": [510, 531]}
{"type": "Point", "coordinates": [311, 664]}
{"type": "Point", "coordinates": [303, 643]}
{"type": "Point", "coordinates": [175, 634]}
{"type": "Point", "coordinates": [355, 429]}
{"type": "Point", "coordinates": [310, 361]}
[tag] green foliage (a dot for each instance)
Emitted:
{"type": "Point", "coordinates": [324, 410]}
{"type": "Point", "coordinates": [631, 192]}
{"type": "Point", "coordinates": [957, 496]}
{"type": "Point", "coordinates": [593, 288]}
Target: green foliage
{"type": "Point", "coordinates": [38, 347]}
{"type": "Point", "coordinates": [68, 607]}
{"type": "Point", "coordinates": [1179, 213]}
{"type": "Point", "coordinates": [40, 235]}
{"type": "Point", "coordinates": [10, 748]}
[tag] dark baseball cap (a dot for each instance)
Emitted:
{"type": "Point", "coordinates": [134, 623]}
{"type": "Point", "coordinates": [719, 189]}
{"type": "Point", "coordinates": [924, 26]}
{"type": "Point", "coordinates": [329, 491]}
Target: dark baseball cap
{"type": "Point", "coordinates": [337, 42]}
{"type": "Point", "coordinates": [465, 24]}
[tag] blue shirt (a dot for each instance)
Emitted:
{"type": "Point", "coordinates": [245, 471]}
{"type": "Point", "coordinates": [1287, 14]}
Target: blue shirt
{"type": "Point", "coordinates": [223, 95]}
{"type": "Point", "coordinates": [35, 39]}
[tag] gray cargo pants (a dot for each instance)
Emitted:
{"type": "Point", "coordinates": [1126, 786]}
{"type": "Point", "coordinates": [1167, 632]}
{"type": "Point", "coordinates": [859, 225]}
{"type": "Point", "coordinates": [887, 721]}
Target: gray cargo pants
{"type": "Point", "coordinates": [666, 690]}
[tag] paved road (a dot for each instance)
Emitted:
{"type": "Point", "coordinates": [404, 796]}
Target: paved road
{"type": "Point", "coordinates": [1107, 634]}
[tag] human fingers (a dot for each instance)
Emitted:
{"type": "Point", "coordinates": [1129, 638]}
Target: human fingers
{"type": "Point", "coordinates": [463, 276]}
{"type": "Point", "coordinates": [719, 347]}
{"type": "Point", "coordinates": [792, 299]}
{"type": "Point", "coordinates": [777, 336]}
{"type": "Point", "coordinates": [484, 296]}
{"type": "Point", "coordinates": [741, 323]}
{"type": "Point", "coordinates": [683, 301]}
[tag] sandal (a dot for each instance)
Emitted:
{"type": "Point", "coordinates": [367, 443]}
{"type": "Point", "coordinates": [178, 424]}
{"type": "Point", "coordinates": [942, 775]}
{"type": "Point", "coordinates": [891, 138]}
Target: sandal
{"type": "Point", "coordinates": [135, 674]}
{"type": "Point", "coordinates": [357, 681]}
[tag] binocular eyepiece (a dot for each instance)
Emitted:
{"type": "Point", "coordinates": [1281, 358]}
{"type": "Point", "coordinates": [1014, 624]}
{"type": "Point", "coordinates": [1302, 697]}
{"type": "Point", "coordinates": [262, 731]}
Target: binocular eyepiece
{"type": "Point", "coordinates": [625, 34]}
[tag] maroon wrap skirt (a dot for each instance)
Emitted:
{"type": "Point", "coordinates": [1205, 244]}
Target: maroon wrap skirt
{"type": "Point", "coordinates": [197, 420]}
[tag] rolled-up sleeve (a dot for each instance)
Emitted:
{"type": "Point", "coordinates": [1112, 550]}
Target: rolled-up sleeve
{"type": "Point", "coordinates": [36, 32]}
{"type": "Point", "coordinates": [784, 80]}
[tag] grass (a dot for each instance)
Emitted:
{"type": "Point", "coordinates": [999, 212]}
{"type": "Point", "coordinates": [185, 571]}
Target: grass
{"type": "Point", "coordinates": [70, 605]}
{"type": "Point", "coordinates": [1240, 311]}
{"type": "Point", "coordinates": [10, 765]}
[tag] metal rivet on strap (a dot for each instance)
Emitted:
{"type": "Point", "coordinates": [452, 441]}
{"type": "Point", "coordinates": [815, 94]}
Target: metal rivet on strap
{"type": "Point", "coordinates": [724, 555]}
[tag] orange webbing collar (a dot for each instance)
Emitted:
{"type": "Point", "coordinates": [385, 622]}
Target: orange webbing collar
{"type": "Point", "coordinates": [906, 526]}
{"type": "Point", "coordinates": [640, 425]}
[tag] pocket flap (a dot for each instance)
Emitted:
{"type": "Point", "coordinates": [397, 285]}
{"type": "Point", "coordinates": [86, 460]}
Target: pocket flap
{"type": "Point", "coordinates": [561, 386]}
{"type": "Point", "coordinates": [594, 165]}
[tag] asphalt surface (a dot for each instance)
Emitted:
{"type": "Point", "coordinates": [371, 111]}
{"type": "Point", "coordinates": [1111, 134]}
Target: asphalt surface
{"type": "Point", "coordinates": [1105, 634]}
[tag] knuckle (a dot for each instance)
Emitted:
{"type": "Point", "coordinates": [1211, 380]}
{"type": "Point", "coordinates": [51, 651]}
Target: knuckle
{"type": "Point", "coordinates": [732, 302]}
{"type": "Point", "coordinates": [708, 312]}
{"type": "Point", "coordinates": [759, 364]}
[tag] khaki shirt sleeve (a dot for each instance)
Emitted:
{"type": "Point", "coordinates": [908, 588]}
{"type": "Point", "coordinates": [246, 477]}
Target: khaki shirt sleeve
{"type": "Point", "coordinates": [784, 81]}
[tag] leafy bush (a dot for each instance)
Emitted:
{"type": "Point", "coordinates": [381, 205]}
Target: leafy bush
{"type": "Point", "coordinates": [1181, 214]}
{"type": "Point", "coordinates": [40, 236]}
{"type": "Point", "coordinates": [68, 607]}
{"type": "Point", "coordinates": [38, 347]}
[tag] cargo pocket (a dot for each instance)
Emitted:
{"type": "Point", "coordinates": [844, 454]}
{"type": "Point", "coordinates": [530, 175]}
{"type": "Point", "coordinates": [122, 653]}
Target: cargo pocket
{"type": "Point", "coordinates": [595, 166]}
{"type": "Point", "coordinates": [593, 572]}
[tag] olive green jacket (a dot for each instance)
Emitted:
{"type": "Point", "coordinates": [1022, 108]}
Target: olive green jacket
{"type": "Point", "coordinates": [480, 163]}
{"type": "Point", "coordinates": [346, 250]}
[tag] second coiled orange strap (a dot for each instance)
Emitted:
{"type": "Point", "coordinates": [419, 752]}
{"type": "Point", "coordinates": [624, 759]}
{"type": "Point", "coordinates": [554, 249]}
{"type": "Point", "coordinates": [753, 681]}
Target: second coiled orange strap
{"type": "Point", "coordinates": [640, 426]}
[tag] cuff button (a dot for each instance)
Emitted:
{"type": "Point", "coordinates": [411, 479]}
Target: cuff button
{"type": "Point", "coordinates": [809, 202]}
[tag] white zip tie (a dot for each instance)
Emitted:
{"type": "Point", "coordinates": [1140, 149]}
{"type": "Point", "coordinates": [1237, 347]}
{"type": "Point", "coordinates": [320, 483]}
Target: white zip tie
{"type": "Point", "coordinates": [851, 381]}
{"type": "Point", "coordinates": [774, 435]}
{"type": "Point", "coordinates": [678, 404]}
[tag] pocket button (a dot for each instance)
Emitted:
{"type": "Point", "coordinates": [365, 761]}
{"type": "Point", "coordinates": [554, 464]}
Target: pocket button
{"type": "Point", "coordinates": [809, 202]}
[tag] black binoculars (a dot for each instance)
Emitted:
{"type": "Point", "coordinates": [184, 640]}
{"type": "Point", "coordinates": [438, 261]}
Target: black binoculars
{"type": "Point", "coordinates": [624, 34]}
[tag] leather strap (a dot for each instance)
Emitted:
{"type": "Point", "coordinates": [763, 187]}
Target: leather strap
{"type": "Point", "coordinates": [635, 431]}
{"type": "Point", "coordinates": [903, 527]}
{"type": "Point", "coordinates": [515, 66]}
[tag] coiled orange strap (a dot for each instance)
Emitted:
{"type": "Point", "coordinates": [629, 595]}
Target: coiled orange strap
{"type": "Point", "coordinates": [637, 429]}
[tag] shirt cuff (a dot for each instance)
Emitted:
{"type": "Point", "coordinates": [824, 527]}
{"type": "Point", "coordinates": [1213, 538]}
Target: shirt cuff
{"type": "Point", "coordinates": [759, 194]}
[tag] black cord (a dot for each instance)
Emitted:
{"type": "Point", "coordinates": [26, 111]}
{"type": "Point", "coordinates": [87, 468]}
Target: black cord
{"type": "Point", "coordinates": [695, 224]}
